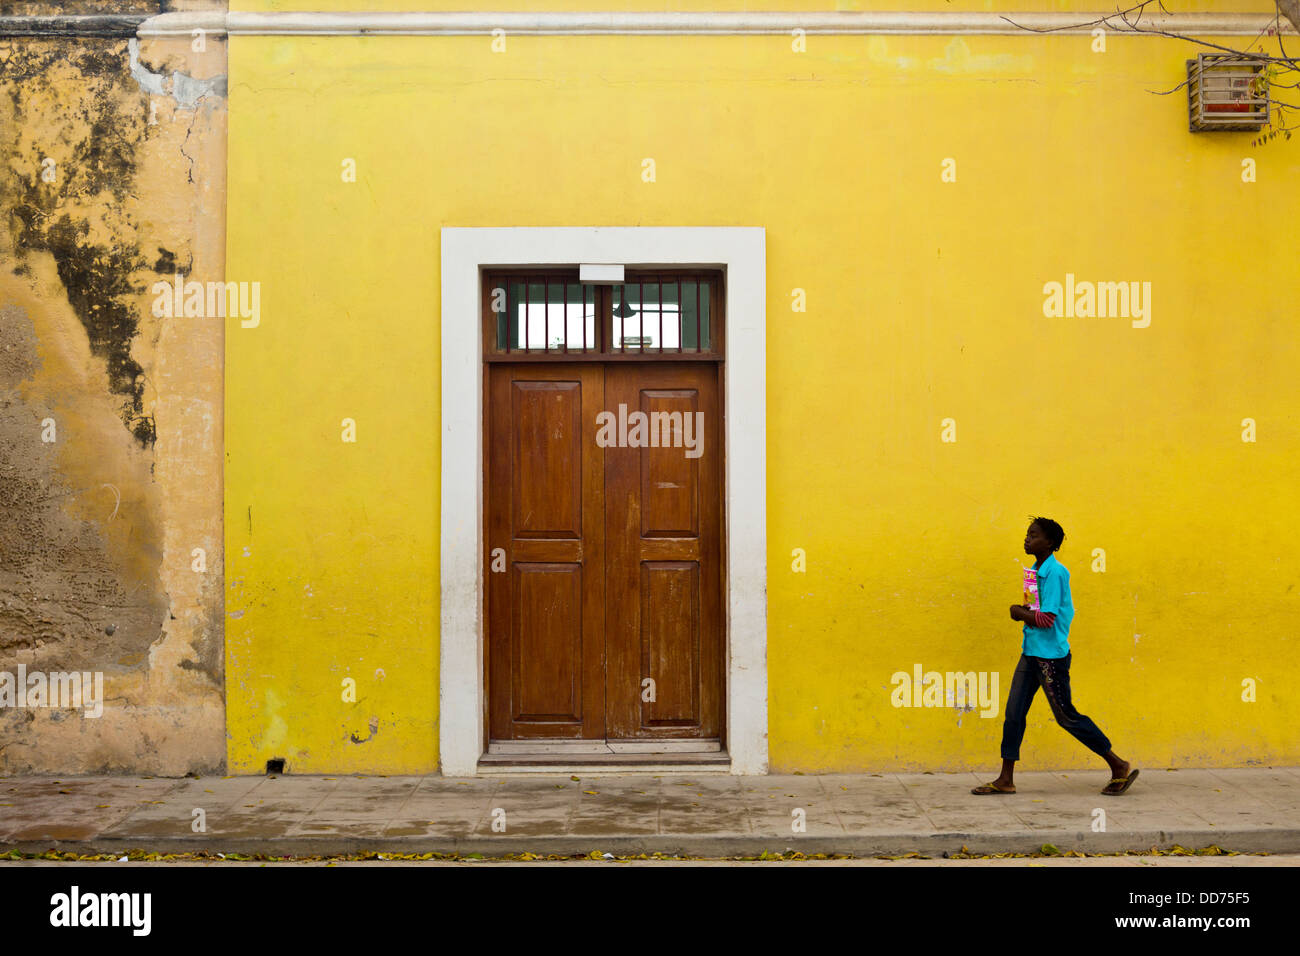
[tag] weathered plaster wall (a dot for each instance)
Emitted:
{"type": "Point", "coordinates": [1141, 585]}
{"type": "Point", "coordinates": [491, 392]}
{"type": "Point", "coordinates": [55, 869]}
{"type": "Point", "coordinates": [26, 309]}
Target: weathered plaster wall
{"type": "Point", "coordinates": [112, 178]}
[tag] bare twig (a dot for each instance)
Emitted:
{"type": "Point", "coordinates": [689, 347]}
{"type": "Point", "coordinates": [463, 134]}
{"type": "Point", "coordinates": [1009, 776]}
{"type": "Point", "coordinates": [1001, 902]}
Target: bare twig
{"type": "Point", "coordinates": [1129, 20]}
{"type": "Point", "coordinates": [1135, 25]}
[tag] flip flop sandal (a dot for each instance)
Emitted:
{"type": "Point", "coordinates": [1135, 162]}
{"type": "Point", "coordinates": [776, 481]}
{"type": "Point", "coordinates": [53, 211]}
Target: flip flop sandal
{"type": "Point", "coordinates": [989, 788]}
{"type": "Point", "coordinates": [1127, 781]}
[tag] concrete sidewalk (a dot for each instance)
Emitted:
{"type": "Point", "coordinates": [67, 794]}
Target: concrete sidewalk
{"type": "Point", "coordinates": [697, 815]}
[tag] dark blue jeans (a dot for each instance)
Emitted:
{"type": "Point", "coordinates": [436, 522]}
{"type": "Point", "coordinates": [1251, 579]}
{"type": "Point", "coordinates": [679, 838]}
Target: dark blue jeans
{"type": "Point", "coordinates": [1053, 675]}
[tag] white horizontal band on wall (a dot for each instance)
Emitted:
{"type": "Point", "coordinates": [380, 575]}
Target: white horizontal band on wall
{"type": "Point", "coordinates": [722, 24]}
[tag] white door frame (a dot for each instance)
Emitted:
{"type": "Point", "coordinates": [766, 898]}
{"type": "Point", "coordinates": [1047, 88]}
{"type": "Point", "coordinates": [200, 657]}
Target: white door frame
{"type": "Point", "coordinates": [741, 252]}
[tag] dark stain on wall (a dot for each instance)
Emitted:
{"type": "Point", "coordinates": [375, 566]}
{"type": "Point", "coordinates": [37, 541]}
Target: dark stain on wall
{"type": "Point", "coordinates": [98, 288]}
{"type": "Point", "coordinates": [97, 160]}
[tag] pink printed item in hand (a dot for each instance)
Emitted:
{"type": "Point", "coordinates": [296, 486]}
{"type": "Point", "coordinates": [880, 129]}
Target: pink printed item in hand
{"type": "Point", "coordinates": [1031, 588]}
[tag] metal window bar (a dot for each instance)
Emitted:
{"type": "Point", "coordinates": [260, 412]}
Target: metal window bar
{"type": "Point", "coordinates": [559, 346]}
{"type": "Point", "coordinates": [677, 311]}
{"type": "Point", "coordinates": [677, 297]}
{"type": "Point", "coordinates": [499, 318]}
{"type": "Point", "coordinates": [698, 333]}
{"type": "Point", "coordinates": [536, 292]}
{"type": "Point", "coordinates": [622, 319]}
{"type": "Point", "coordinates": [574, 295]}
{"type": "Point", "coordinates": [660, 303]}
{"type": "Point", "coordinates": [706, 298]}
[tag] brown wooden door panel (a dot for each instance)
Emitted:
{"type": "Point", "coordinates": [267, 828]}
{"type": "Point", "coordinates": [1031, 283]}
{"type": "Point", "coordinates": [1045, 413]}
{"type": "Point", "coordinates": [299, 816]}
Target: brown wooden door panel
{"type": "Point", "coordinates": [547, 435]}
{"type": "Point", "coordinates": [545, 506]}
{"type": "Point", "coordinates": [612, 554]}
{"type": "Point", "coordinates": [663, 507]}
{"type": "Point", "coordinates": [669, 642]}
{"type": "Point", "coordinates": [670, 478]}
{"type": "Point", "coordinates": [546, 646]}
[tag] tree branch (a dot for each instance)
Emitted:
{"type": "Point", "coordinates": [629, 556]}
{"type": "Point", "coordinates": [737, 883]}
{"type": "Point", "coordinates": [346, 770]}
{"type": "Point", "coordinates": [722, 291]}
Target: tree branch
{"type": "Point", "coordinates": [1288, 8]}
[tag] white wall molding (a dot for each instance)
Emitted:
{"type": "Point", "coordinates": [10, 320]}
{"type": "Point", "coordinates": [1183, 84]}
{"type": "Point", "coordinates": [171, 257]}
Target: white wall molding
{"type": "Point", "coordinates": [741, 250]}
{"type": "Point", "coordinates": [725, 24]}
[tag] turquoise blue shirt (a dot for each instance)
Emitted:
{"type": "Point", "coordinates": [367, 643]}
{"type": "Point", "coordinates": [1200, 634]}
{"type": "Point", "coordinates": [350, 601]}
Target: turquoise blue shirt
{"type": "Point", "coordinates": [1053, 598]}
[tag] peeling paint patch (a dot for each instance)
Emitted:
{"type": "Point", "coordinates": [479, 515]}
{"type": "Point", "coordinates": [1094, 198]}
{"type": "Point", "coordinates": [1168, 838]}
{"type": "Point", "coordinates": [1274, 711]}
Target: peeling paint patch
{"type": "Point", "coordinates": [183, 88]}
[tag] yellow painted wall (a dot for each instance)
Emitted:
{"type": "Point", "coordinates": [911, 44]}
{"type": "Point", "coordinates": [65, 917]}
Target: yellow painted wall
{"type": "Point", "coordinates": [739, 6]}
{"type": "Point", "coordinates": [924, 303]}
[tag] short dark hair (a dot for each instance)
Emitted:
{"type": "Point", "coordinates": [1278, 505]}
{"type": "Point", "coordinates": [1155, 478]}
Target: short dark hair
{"type": "Point", "coordinates": [1055, 533]}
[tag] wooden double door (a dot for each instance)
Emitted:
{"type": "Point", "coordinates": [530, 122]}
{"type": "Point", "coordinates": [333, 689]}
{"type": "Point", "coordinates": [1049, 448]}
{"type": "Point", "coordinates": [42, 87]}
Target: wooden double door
{"type": "Point", "coordinates": [604, 564]}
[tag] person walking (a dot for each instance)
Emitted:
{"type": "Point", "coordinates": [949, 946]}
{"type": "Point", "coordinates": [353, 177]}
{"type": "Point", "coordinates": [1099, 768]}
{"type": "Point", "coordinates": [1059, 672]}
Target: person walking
{"type": "Point", "coordinates": [1045, 662]}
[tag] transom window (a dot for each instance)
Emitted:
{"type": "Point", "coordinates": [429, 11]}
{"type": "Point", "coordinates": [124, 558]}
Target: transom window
{"type": "Point", "coordinates": [532, 314]}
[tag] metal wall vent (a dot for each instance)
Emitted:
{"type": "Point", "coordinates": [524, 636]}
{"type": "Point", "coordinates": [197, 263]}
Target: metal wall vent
{"type": "Point", "coordinates": [1226, 92]}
